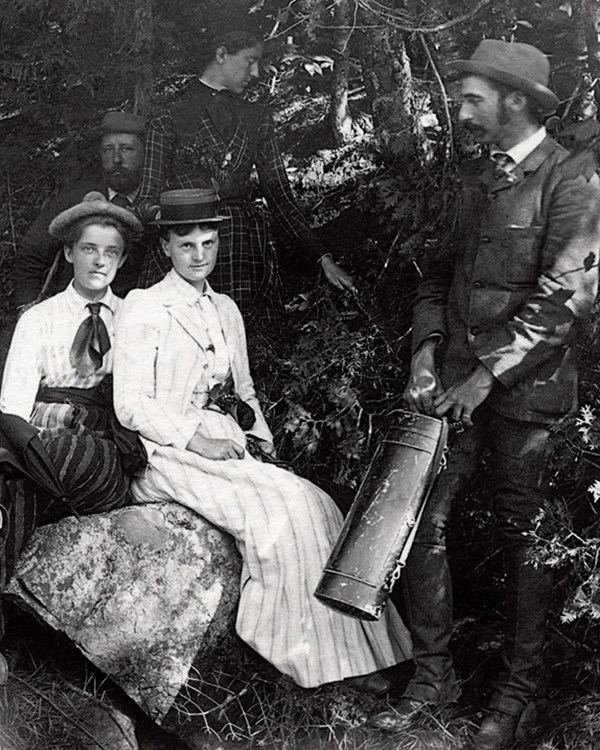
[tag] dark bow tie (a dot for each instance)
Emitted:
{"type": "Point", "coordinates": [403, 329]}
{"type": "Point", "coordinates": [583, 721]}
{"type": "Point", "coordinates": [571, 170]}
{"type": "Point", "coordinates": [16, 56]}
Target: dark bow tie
{"type": "Point", "coordinates": [91, 342]}
{"type": "Point", "coordinates": [502, 162]}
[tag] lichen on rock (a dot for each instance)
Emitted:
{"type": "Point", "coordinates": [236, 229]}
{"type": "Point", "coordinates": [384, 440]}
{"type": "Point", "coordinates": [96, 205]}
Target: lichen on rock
{"type": "Point", "coordinates": [142, 592]}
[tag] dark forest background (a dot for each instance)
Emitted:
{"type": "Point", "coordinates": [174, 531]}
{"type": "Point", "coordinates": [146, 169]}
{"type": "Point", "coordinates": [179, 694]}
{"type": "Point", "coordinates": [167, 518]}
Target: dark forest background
{"type": "Point", "coordinates": [366, 118]}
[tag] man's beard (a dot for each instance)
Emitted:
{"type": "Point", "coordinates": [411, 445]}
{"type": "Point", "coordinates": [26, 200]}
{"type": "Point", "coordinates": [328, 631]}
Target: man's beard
{"type": "Point", "coordinates": [502, 118]}
{"type": "Point", "coordinates": [122, 180]}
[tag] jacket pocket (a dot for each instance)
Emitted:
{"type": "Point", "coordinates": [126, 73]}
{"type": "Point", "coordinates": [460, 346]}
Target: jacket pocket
{"type": "Point", "coordinates": [522, 255]}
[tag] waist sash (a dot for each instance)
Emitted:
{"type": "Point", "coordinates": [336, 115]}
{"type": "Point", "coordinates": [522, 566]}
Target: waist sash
{"type": "Point", "coordinates": [129, 445]}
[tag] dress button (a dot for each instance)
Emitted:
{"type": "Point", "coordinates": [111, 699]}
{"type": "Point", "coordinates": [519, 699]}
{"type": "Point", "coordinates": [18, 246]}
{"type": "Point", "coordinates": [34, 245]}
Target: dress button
{"type": "Point", "coordinates": [485, 238]}
{"type": "Point", "coordinates": [477, 284]}
{"type": "Point", "coordinates": [475, 330]}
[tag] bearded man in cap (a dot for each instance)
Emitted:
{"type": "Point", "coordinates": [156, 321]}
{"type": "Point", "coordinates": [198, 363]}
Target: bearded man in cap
{"type": "Point", "coordinates": [495, 326]}
{"type": "Point", "coordinates": [121, 162]}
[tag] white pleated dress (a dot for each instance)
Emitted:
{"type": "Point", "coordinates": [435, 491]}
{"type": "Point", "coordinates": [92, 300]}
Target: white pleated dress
{"type": "Point", "coordinates": [284, 527]}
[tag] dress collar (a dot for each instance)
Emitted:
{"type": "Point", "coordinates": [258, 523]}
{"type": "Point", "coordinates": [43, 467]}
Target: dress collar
{"type": "Point", "coordinates": [186, 291]}
{"type": "Point", "coordinates": [78, 303]}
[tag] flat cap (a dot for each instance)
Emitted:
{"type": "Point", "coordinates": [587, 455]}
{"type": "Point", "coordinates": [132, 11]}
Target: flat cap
{"type": "Point", "coordinates": [115, 121]}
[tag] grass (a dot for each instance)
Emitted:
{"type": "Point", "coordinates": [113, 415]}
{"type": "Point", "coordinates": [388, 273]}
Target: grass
{"type": "Point", "coordinates": [39, 710]}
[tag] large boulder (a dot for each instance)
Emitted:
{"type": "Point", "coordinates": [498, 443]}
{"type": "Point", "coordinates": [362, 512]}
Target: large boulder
{"type": "Point", "coordinates": [143, 592]}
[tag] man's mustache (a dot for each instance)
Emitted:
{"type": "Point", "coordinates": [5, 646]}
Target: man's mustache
{"type": "Point", "coordinates": [474, 129]}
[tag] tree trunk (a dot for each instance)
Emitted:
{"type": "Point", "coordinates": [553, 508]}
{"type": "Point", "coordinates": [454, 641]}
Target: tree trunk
{"type": "Point", "coordinates": [591, 18]}
{"type": "Point", "coordinates": [390, 87]}
{"type": "Point", "coordinates": [143, 36]}
{"type": "Point", "coordinates": [341, 119]}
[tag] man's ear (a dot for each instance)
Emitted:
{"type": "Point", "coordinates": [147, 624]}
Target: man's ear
{"type": "Point", "coordinates": [68, 251]}
{"type": "Point", "coordinates": [516, 101]}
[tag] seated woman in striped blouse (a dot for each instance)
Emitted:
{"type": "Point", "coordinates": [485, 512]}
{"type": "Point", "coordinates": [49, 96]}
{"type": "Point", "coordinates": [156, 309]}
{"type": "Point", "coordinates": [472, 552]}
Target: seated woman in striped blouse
{"type": "Point", "coordinates": [177, 343]}
{"type": "Point", "coordinates": [56, 378]}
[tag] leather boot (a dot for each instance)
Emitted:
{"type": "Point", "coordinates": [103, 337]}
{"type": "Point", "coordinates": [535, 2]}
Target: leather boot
{"type": "Point", "coordinates": [500, 731]}
{"type": "Point", "coordinates": [512, 711]}
{"type": "Point", "coordinates": [426, 606]}
{"type": "Point", "coordinates": [528, 590]}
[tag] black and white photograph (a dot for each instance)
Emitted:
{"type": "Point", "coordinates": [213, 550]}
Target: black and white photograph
{"type": "Point", "coordinates": [300, 393]}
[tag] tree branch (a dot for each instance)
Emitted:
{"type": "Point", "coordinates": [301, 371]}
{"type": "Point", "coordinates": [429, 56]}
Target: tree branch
{"type": "Point", "coordinates": [438, 78]}
{"type": "Point", "coordinates": [390, 17]}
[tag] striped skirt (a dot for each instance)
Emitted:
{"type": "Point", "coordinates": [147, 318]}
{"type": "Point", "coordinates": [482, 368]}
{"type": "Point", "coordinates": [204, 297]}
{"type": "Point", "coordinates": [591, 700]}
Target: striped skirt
{"type": "Point", "coordinates": [284, 527]}
{"type": "Point", "coordinates": [77, 440]}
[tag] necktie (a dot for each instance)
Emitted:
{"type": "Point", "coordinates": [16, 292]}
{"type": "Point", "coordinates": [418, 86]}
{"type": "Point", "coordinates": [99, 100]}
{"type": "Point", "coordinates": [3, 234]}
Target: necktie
{"type": "Point", "coordinates": [91, 342]}
{"type": "Point", "coordinates": [502, 161]}
{"type": "Point", "coordinates": [120, 200]}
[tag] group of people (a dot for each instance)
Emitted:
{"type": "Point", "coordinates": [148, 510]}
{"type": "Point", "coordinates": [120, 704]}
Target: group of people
{"type": "Point", "coordinates": [494, 330]}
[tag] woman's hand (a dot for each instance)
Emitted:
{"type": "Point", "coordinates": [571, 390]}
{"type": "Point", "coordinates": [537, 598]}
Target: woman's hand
{"type": "Point", "coordinates": [217, 449]}
{"type": "Point", "coordinates": [268, 448]}
{"type": "Point", "coordinates": [336, 275]}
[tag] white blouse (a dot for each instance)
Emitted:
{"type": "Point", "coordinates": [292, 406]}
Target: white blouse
{"type": "Point", "coordinates": [40, 348]}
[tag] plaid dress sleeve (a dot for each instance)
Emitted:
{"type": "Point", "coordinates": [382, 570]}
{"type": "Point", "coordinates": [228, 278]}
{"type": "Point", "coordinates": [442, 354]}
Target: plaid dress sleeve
{"type": "Point", "coordinates": [278, 192]}
{"type": "Point", "coordinates": [160, 146]}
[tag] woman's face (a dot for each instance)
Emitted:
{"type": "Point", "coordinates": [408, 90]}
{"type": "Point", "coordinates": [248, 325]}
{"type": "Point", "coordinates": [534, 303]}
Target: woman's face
{"type": "Point", "coordinates": [194, 255]}
{"type": "Point", "coordinates": [96, 257]}
{"type": "Point", "coordinates": [237, 71]}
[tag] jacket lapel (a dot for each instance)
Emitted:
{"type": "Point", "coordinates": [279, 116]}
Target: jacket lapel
{"type": "Point", "coordinates": [518, 174]}
{"type": "Point", "coordinates": [184, 311]}
{"type": "Point", "coordinates": [231, 337]}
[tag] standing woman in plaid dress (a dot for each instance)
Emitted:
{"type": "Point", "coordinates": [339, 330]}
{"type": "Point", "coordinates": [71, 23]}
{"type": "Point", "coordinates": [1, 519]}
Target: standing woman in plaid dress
{"type": "Point", "coordinates": [56, 387]}
{"type": "Point", "coordinates": [212, 138]}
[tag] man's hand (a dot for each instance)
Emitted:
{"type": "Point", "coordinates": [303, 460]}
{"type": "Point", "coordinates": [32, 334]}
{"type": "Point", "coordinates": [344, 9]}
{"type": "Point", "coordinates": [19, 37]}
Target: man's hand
{"type": "Point", "coordinates": [216, 449]}
{"type": "Point", "coordinates": [464, 397]}
{"type": "Point", "coordinates": [336, 275]}
{"type": "Point", "coordinates": [424, 383]}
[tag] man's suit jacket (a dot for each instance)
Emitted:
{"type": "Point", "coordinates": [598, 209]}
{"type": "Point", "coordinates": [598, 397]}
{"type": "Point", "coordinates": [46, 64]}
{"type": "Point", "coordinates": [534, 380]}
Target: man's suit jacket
{"type": "Point", "coordinates": [160, 353]}
{"type": "Point", "coordinates": [521, 269]}
{"type": "Point", "coordinates": [37, 249]}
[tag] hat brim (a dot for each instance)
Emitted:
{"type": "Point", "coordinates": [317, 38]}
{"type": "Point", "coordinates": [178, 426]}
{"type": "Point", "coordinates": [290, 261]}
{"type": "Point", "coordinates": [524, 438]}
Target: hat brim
{"type": "Point", "coordinates": [174, 222]}
{"type": "Point", "coordinates": [60, 225]}
{"type": "Point", "coordinates": [547, 100]}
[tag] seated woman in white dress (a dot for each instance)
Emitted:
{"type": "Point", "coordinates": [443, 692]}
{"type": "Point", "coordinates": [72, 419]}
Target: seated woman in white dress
{"type": "Point", "coordinates": [56, 386]}
{"type": "Point", "coordinates": [176, 341]}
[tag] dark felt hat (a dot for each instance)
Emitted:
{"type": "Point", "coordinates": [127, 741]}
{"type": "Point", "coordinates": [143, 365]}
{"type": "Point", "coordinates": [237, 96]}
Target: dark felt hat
{"type": "Point", "coordinates": [115, 121]}
{"type": "Point", "coordinates": [190, 206]}
{"type": "Point", "coordinates": [93, 204]}
{"type": "Point", "coordinates": [515, 64]}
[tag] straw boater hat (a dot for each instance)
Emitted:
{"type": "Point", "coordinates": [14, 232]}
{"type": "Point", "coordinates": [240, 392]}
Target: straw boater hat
{"type": "Point", "coordinates": [515, 64]}
{"type": "Point", "coordinates": [190, 206]}
{"type": "Point", "coordinates": [93, 204]}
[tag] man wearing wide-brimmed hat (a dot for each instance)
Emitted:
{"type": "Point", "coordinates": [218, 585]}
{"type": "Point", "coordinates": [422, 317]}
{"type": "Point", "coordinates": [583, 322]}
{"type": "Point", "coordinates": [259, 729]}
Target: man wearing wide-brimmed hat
{"type": "Point", "coordinates": [497, 314]}
{"type": "Point", "coordinates": [121, 160]}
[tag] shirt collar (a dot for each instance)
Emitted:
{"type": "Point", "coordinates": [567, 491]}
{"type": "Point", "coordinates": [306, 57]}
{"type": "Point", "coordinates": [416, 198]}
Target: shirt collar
{"type": "Point", "coordinates": [187, 291]}
{"type": "Point", "coordinates": [76, 302]}
{"type": "Point", "coordinates": [522, 150]}
{"type": "Point", "coordinates": [131, 197]}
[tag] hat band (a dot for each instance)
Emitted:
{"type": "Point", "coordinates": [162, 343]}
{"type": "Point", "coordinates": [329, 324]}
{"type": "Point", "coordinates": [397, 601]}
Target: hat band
{"type": "Point", "coordinates": [188, 212]}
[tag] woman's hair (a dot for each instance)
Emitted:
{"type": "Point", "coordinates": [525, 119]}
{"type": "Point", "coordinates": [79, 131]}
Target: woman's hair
{"type": "Point", "coordinates": [181, 230]}
{"type": "Point", "coordinates": [73, 233]}
{"type": "Point", "coordinates": [233, 41]}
